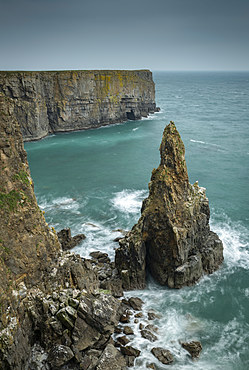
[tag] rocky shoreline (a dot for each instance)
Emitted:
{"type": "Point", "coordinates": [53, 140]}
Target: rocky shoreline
{"type": "Point", "coordinates": [61, 311]}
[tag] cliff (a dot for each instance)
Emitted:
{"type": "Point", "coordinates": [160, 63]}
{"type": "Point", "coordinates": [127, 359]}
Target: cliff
{"type": "Point", "coordinates": [48, 312]}
{"type": "Point", "coordinates": [58, 101]}
{"type": "Point", "coordinates": [26, 242]}
{"type": "Point", "coordinates": [172, 239]}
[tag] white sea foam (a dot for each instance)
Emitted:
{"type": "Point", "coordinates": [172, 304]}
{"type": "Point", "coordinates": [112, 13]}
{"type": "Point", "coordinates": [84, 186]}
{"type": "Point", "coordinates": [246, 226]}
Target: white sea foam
{"type": "Point", "coordinates": [197, 141]}
{"type": "Point", "coordinates": [235, 241]}
{"type": "Point", "coordinates": [98, 238]}
{"type": "Point", "coordinates": [154, 116]}
{"type": "Point", "coordinates": [61, 203]}
{"type": "Point", "coordinates": [218, 147]}
{"type": "Point", "coordinates": [129, 201]}
{"type": "Point", "coordinates": [135, 129]}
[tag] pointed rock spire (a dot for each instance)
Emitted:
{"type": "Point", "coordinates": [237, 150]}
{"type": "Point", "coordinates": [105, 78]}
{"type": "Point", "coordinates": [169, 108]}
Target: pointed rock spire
{"type": "Point", "coordinates": [172, 239]}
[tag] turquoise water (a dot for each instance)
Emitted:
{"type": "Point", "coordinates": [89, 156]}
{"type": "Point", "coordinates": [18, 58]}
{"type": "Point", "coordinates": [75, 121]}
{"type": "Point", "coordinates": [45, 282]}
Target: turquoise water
{"type": "Point", "coordinates": [94, 182]}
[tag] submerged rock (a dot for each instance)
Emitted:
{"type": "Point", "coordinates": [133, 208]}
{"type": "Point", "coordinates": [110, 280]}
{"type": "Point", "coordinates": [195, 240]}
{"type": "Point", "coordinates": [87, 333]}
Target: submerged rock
{"type": "Point", "coordinates": [172, 239]}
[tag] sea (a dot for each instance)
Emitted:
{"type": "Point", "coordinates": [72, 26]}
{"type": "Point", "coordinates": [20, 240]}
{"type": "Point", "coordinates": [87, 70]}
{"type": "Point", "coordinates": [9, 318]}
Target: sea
{"type": "Point", "coordinates": [94, 182]}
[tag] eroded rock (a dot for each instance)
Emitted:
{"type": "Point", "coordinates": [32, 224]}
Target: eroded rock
{"type": "Point", "coordinates": [136, 303]}
{"type": "Point", "coordinates": [66, 239]}
{"type": "Point", "coordinates": [163, 355]}
{"type": "Point", "coordinates": [193, 347]}
{"type": "Point", "coordinates": [172, 239]}
{"type": "Point", "coordinates": [148, 335]}
{"type": "Point", "coordinates": [59, 355]}
{"type": "Point", "coordinates": [130, 351]}
{"type": "Point", "coordinates": [111, 358]}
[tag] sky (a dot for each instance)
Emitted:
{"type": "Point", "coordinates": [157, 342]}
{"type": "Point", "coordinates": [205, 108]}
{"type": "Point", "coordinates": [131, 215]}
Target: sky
{"type": "Point", "coordinates": [172, 35]}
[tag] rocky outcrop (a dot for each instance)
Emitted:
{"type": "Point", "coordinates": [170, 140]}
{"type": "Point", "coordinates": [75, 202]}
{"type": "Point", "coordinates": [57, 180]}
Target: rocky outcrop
{"type": "Point", "coordinates": [67, 241]}
{"type": "Point", "coordinates": [58, 101]}
{"type": "Point", "coordinates": [172, 240]}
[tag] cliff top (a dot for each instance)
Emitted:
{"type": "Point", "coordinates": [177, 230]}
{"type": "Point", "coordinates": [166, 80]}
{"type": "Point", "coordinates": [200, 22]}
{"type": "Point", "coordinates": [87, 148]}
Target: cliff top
{"type": "Point", "coordinates": [86, 71]}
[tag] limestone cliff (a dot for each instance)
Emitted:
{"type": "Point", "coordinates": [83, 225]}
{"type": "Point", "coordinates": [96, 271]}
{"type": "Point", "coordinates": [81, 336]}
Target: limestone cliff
{"type": "Point", "coordinates": [57, 101]}
{"type": "Point", "coordinates": [172, 239]}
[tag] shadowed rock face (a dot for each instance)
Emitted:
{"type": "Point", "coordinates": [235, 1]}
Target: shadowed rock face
{"type": "Point", "coordinates": [172, 240]}
{"type": "Point", "coordinates": [27, 244]}
{"type": "Point", "coordinates": [58, 101]}
{"type": "Point", "coordinates": [46, 295]}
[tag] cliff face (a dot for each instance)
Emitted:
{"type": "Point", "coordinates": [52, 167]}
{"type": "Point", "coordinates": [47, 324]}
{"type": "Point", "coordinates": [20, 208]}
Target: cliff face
{"type": "Point", "coordinates": [27, 245]}
{"type": "Point", "coordinates": [172, 239]}
{"type": "Point", "coordinates": [26, 242]}
{"type": "Point", "coordinates": [46, 295]}
{"type": "Point", "coordinates": [48, 102]}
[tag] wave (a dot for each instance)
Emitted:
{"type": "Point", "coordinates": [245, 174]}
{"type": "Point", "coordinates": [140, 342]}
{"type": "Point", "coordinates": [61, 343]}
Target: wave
{"type": "Point", "coordinates": [197, 141]}
{"type": "Point", "coordinates": [62, 203]}
{"type": "Point", "coordinates": [98, 238]}
{"type": "Point", "coordinates": [129, 201]}
{"type": "Point", "coordinates": [218, 147]}
{"type": "Point", "coordinates": [235, 238]}
{"type": "Point", "coordinates": [154, 116]}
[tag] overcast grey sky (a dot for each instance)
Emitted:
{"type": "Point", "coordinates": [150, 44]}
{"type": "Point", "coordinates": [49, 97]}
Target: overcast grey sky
{"type": "Point", "coordinates": [124, 34]}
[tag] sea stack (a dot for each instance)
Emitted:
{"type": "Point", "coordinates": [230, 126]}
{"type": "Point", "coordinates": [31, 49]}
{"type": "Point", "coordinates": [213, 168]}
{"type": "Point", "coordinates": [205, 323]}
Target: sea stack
{"type": "Point", "coordinates": [172, 239]}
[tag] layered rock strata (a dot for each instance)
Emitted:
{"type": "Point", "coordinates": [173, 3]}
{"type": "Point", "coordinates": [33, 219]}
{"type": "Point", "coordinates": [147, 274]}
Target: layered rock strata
{"type": "Point", "coordinates": [172, 239]}
{"type": "Point", "coordinates": [58, 101]}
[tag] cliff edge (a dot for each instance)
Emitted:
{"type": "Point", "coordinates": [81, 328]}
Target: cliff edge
{"type": "Point", "coordinates": [59, 101]}
{"type": "Point", "coordinates": [172, 239]}
{"type": "Point", "coordinates": [52, 310]}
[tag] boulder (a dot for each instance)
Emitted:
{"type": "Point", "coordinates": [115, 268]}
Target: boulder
{"type": "Point", "coordinates": [151, 366]}
{"type": "Point", "coordinates": [84, 335]}
{"type": "Point", "coordinates": [111, 358]}
{"type": "Point", "coordinates": [100, 256]}
{"type": "Point", "coordinates": [59, 355]}
{"type": "Point", "coordinates": [130, 351]}
{"type": "Point", "coordinates": [153, 315]}
{"type": "Point", "coordinates": [152, 328]}
{"type": "Point", "coordinates": [194, 348]}
{"type": "Point", "coordinates": [163, 355]}
{"type": "Point", "coordinates": [172, 239]}
{"type": "Point", "coordinates": [136, 303]}
{"type": "Point", "coordinates": [101, 312]}
{"type": "Point", "coordinates": [123, 340]}
{"type": "Point", "coordinates": [148, 335]}
{"type": "Point", "coordinates": [128, 330]}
